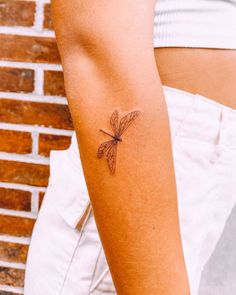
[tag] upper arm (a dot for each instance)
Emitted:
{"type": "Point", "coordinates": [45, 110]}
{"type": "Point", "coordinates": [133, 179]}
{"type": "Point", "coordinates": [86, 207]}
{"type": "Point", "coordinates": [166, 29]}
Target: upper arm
{"type": "Point", "coordinates": [93, 25]}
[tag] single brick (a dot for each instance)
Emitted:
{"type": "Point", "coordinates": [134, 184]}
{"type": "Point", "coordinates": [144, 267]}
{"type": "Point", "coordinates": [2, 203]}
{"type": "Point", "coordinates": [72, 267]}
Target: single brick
{"type": "Point", "coordinates": [11, 276]}
{"type": "Point", "coordinates": [48, 142]}
{"type": "Point", "coordinates": [13, 252]}
{"type": "Point", "coordinates": [29, 49]}
{"type": "Point", "coordinates": [15, 199]}
{"type": "Point", "coordinates": [17, 13]}
{"type": "Point", "coordinates": [25, 173]}
{"type": "Point", "coordinates": [54, 83]}
{"type": "Point", "coordinates": [41, 196]}
{"type": "Point", "coordinates": [38, 113]}
{"type": "Point", "coordinates": [16, 226]}
{"type": "Point", "coordinates": [47, 23]}
{"type": "Point", "coordinates": [16, 80]}
{"type": "Point", "coordinates": [8, 293]}
{"type": "Point", "coordinates": [12, 141]}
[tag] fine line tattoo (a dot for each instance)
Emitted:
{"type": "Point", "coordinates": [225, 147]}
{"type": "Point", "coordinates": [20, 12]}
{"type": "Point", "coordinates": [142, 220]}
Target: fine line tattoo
{"type": "Point", "coordinates": [109, 148]}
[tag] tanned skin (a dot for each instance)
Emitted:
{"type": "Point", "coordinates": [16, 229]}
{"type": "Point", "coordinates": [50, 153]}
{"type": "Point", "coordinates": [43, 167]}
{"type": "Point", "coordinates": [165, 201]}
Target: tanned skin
{"type": "Point", "coordinates": [210, 72]}
{"type": "Point", "coordinates": [108, 61]}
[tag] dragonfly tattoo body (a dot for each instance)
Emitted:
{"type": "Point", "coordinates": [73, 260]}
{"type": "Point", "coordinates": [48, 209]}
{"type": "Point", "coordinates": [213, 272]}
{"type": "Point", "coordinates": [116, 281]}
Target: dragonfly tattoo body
{"type": "Point", "coordinates": [109, 148]}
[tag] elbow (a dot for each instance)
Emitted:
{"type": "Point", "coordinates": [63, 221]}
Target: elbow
{"type": "Point", "coordinates": [102, 30]}
{"type": "Point", "coordinates": [107, 33]}
{"type": "Point", "coordinates": [91, 39]}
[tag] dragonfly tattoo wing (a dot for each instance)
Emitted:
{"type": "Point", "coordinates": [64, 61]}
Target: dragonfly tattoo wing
{"type": "Point", "coordinates": [126, 121]}
{"type": "Point", "coordinates": [109, 148]}
{"type": "Point", "coordinates": [114, 122]}
{"type": "Point", "coordinates": [111, 156]}
{"type": "Point", "coordinates": [104, 147]}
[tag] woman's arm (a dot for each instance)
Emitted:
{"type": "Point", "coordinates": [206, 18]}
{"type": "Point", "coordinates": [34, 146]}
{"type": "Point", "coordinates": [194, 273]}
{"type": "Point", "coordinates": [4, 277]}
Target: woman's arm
{"type": "Point", "coordinates": [108, 62]}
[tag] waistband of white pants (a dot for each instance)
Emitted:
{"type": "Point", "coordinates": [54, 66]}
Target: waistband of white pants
{"type": "Point", "coordinates": [207, 120]}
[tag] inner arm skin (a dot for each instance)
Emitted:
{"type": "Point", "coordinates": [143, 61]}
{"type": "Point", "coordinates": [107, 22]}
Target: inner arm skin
{"type": "Point", "coordinates": [108, 61]}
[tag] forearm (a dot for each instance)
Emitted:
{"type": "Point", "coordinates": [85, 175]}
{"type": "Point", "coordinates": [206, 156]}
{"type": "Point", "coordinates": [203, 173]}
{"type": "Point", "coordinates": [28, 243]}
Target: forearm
{"type": "Point", "coordinates": [136, 207]}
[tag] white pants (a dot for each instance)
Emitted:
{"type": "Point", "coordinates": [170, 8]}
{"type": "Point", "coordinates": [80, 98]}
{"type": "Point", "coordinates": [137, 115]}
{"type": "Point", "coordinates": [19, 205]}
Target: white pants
{"type": "Point", "coordinates": [63, 260]}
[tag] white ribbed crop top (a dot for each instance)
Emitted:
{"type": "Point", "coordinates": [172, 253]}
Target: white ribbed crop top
{"type": "Point", "coordinates": [195, 23]}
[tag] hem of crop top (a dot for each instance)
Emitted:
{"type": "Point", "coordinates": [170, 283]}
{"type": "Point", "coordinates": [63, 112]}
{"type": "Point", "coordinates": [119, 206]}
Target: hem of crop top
{"type": "Point", "coordinates": [177, 41]}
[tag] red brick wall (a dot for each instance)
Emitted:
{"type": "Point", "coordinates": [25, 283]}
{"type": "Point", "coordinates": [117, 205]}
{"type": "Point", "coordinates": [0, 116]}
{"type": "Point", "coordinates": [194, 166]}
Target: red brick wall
{"type": "Point", "coordinates": [34, 119]}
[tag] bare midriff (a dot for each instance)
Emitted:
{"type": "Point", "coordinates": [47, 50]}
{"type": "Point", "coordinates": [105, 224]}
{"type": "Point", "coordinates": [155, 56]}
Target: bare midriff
{"type": "Point", "coordinates": [207, 71]}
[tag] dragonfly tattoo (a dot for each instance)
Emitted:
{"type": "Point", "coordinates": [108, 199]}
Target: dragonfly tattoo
{"type": "Point", "coordinates": [109, 148]}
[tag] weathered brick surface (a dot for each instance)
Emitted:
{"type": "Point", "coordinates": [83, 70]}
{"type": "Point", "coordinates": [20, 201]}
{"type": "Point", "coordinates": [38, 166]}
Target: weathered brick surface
{"type": "Point", "coordinates": [25, 173]}
{"type": "Point", "coordinates": [47, 23]}
{"type": "Point", "coordinates": [8, 293]}
{"type": "Point", "coordinates": [41, 196]}
{"type": "Point", "coordinates": [54, 83]}
{"type": "Point", "coordinates": [12, 141]}
{"type": "Point", "coordinates": [13, 252]}
{"type": "Point", "coordinates": [17, 13]}
{"type": "Point", "coordinates": [27, 48]}
{"type": "Point", "coordinates": [15, 199]}
{"type": "Point", "coordinates": [16, 80]}
{"type": "Point", "coordinates": [11, 276]}
{"type": "Point", "coordinates": [44, 114]}
{"type": "Point", "coordinates": [16, 226]}
{"type": "Point", "coordinates": [30, 110]}
{"type": "Point", "coordinates": [48, 142]}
